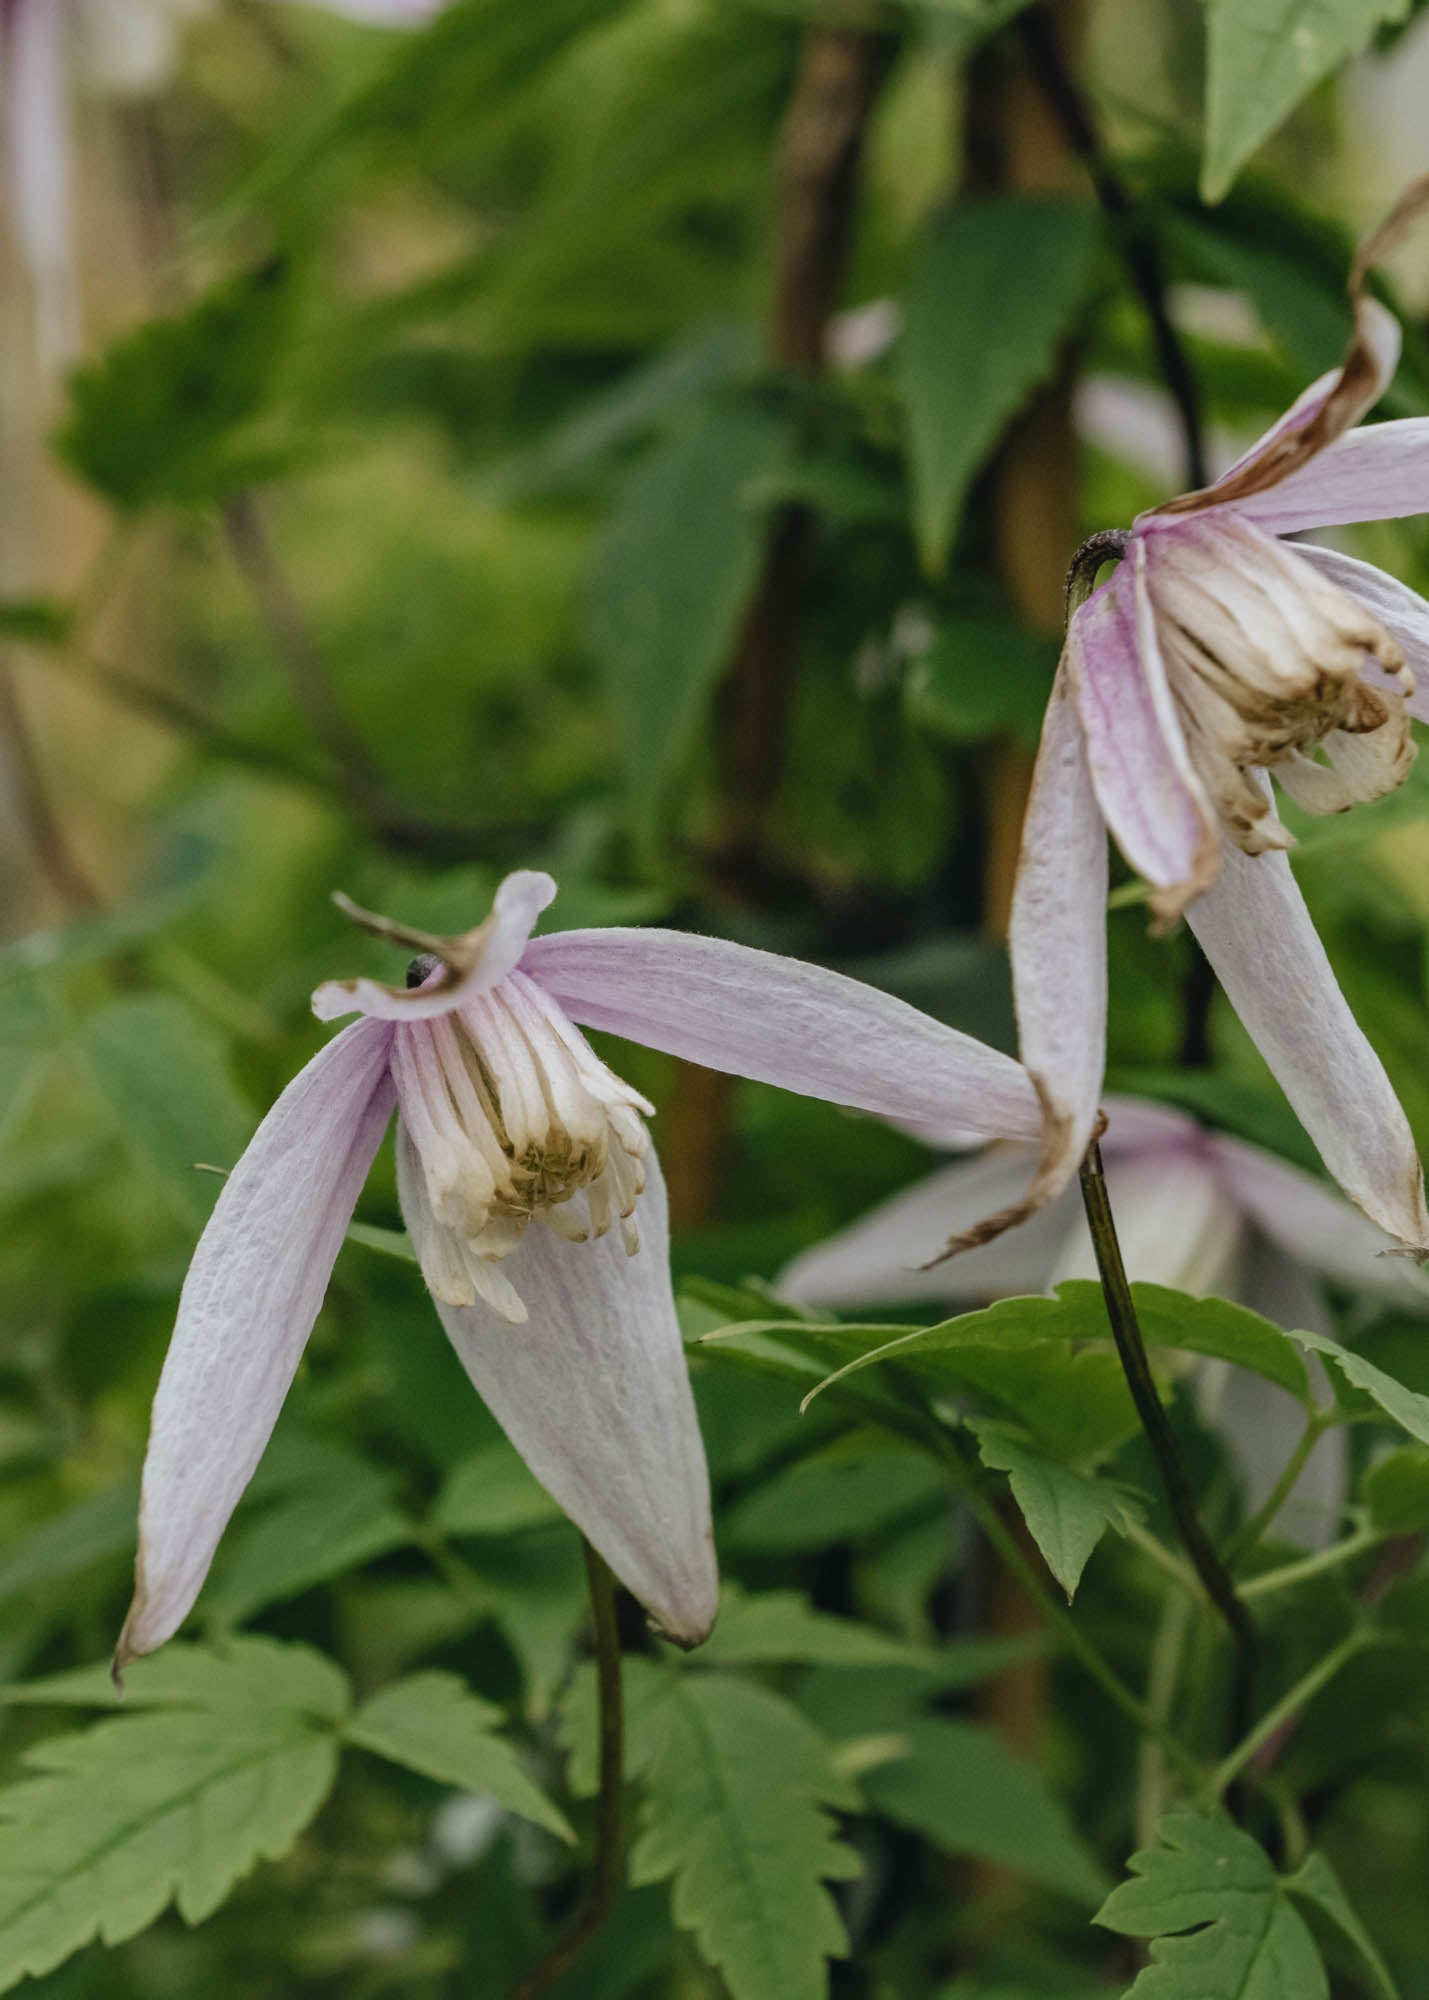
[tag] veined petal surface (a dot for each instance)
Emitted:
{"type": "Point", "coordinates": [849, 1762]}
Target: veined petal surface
{"type": "Point", "coordinates": [248, 1304]}
{"type": "Point", "coordinates": [783, 1022]}
{"type": "Point", "coordinates": [594, 1393]}
{"type": "Point", "coordinates": [1402, 612]}
{"type": "Point", "coordinates": [1379, 472]}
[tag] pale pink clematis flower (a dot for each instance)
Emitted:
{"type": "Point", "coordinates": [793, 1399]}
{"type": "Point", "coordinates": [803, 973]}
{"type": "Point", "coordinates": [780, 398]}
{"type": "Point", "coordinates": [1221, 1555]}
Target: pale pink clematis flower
{"type": "Point", "coordinates": [1216, 655]}
{"type": "Point", "coordinates": [1195, 1210]}
{"type": "Point", "coordinates": [117, 48]}
{"type": "Point", "coordinates": [535, 1203]}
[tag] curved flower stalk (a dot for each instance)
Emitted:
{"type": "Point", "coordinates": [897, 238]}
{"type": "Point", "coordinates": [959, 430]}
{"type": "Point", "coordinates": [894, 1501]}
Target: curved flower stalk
{"type": "Point", "coordinates": [1195, 1210]}
{"type": "Point", "coordinates": [1216, 655]}
{"type": "Point", "coordinates": [117, 48]}
{"type": "Point", "coordinates": [534, 1200]}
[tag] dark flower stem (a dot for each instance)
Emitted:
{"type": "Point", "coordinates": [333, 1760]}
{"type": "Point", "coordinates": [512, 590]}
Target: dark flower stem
{"type": "Point", "coordinates": [605, 1881]}
{"type": "Point", "coordinates": [1126, 1332]}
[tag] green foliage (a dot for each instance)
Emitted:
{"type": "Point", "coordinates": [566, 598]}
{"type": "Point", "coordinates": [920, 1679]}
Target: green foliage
{"type": "Point", "coordinates": [736, 1786]}
{"type": "Point", "coordinates": [1022, 264]}
{"type": "Point", "coordinates": [1066, 1511]}
{"type": "Point", "coordinates": [1262, 58]}
{"type": "Point", "coordinates": [163, 415]}
{"type": "Point", "coordinates": [1408, 1408]}
{"type": "Point", "coordinates": [1222, 1923]}
{"type": "Point", "coordinates": [492, 1493]}
{"type": "Point", "coordinates": [958, 1785]}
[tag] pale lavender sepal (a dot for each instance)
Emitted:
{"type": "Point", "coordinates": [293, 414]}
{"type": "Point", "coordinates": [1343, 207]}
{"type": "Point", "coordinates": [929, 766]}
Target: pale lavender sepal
{"type": "Point", "coordinates": [1378, 472]}
{"type": "Point", "coordinates": [594, 1393]}
{"type": "Point", "coordinates": [878, 1259]}
{"type": "Point", "coordinates": [1058, 944]}
{"type": "Point", "coordinates": [480, 959]}
{"type": "Point", "coordinates": [383, 13]}
{"type": "Point", "coordinates": [1140, 1125]}
{"type": "Point", "coordinates": [1402, 612]}
{"type": "Point", "coordinates": [1176, 1221]}
{"type": "Point", "coordinates": [1313, 1225]}
{"type": "Point", "coordinates": [248, 1304]}
{"type": "Point", "coordinates": [799, 1026]}
{"type": "Point", "coordinates": [1136, 753]}
{"type": "Point", "coordinates": [1254, 928]}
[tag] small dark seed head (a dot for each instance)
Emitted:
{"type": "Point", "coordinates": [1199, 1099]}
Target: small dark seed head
{"type": "Point", "coordinates": [421, 969]}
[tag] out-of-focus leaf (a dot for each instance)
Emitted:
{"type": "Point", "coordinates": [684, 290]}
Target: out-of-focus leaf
{"type": "Point", "coordinates": [317, 1532]}
{"type": "Point", "coordinates": [248, 1671]}
{"type": "Point", "coordinates": [70, 1542]}
{"type": "Point", "coordinates": [535, 1591]}
{"type": "Point", "coordinates": [165, 1075]}
{"type": "Point", "coordinates": [433, 1723]}
{"type": "Point", "coordinates": [838, 1495]}
{"type": "Point", "coordinates": [1066, 1512]}
{"type": "Point", "coordinates": [27, 1029]}
{"type": "Point", "coordinates": [778, 1625]}
{"type": "Point", "coordinates": [389, 1242]}
{"type": "Point", "coordinates": [1262, 58]}
{"type": "Point", "coordinates": [1315, 1882]}
{"type": "Point", "coordinates": [1021, 264]}
{"type": "Point", "coordinates": [1396, 1490]}
{"type": "Point", "coordinates": [1220, 1923]}
{"type": "Point", "coordinates": [958, 1785]}
{"type": "Point", "coordinates": [492, 1493]}
{"type": "Point", "coordinates": [736, 1786]}
{"type": "Point", "coordinates": [35, 621]}
{"type": "Point", "coordinates": [981, 677]}
{"type": "Point", "coordinates": [671, 579]}
{"type": "Point", "coordinates": [160, 416]}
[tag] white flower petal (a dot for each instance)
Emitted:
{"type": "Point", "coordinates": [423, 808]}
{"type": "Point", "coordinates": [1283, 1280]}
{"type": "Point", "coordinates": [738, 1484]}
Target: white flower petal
{"type": "Point", "coordinates": [779, 1021]}
{"type": "Point", "coordinates": [1254, 928]}
{"type": "Point", "coordinates": [1379, 472]}
{"type": "Point", "coordinates": [879, 1259]}
{"type": "Point", "coordinates": [1312, 1224]}
{"type": "Point", "coordinates": [1140, 767]}
{"type": "Point", "coordinates": [1176, 1223]}
{"type": "Point", "coordinates": [594, 1393]}
{"type": "Point", "coordinates": [470, 964]}
{"type": "Point", "coordinates": [249, 1301]}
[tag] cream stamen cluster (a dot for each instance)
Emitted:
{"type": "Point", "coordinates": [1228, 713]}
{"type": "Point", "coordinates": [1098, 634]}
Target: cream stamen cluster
{"type": "Point", "coordinates": [508, 1118]}
{"type": "Point", "coordinates": [1265, 659]}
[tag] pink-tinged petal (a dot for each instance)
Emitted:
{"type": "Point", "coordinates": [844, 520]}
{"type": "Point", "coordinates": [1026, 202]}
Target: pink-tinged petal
{"type": "Point", "coordinates": [1402, 612]}
{"type": "Point", "coordinates": [1140, 769]}
{"type": "Point", "coordinates": [594, 1393]}
{"type": "Point", "coordinates": [1312, 1224]}
{"type": "Point", "coordinates": [469, 964]}
{"type": "Point", "coordinates": [37, 127]}
{"type": "Point", "coordinates": [248, 1304]}
{"type": "Point", "coordinates": [1254, 928]}
{"type": "Point", "coordinates": [1140, 1125]}
{"type": "Point", "coordinates": [1177, 1224]}
{"type": "Point", "coordinates": [384, 13]}
{"type": "Point", "coordinates": [1379, 472]}
{"type": "Point", "coordinates": [1313, 424]}
{"type": "Point", "coordinates": [783, 1022]}
{"type": "Point", "coordinates": [881, 1258]}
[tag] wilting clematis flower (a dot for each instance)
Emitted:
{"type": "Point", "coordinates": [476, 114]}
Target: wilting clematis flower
{"type": "Point", "coordinates": [1218, 654]}
{"type": "Point", "coordinates": [118, 48]}
{"type": "Point", "coordinates": [1195, 1210]}
{"type": "Point", "coordinates": [535, 1203]}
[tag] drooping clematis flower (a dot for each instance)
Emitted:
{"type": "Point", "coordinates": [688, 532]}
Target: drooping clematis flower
{"type": "Point", "coordinates": [1216, 656]}
{"type": "Point", "coordinates": [535, 1203]}
{"type": "Point", "coordinates": [116, 48]}
{"type": "Point", "coordinates": [1195, 1210]}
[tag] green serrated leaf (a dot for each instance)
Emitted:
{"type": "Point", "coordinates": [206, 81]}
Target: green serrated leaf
{"type": "Point", "coordinates": [1066, 1512]}
{"type": "Point", "coordinates": [165, 1075]}
{"type": "Point", "coordinates": [244, 1672]}
{"type": "Point", "coordinates": [493, 1493]}
{"type": "Point", "coordinates": [1262, 58]}
{"type": "Point", "coordinates": [736, 1786]}
{"type": "Point", "coordinates": [1022, 262]}
{"type": "Point", "coordinates": [433, 1723]}
{"type": "Point", "coordinates": [1221, 1925]}
{"type": "Point", "coordinates": [778, 1625]}
{"type": "Point", "coordinates": [159, 415]}
{"type": "Point", "coordinates": [131, 1813]}
{"type": "Point", "coordinates": [1213, 1327]}
{"type": "Point", "coordinates": [1408, 1407]}
{"type": "Point", "coordinates": [957, 1784]}
{"type": "Point", "coordinates": [671, 580]}
{"type": "Point", "coordinates": [1315, 1882]}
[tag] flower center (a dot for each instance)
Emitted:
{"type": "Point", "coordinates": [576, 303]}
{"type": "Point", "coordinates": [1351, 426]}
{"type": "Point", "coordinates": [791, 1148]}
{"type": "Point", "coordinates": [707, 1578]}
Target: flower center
{"type": "Point", "coordinates": [509, 1118]}
{"type": "Point", "coordinates": [1266, 660]}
